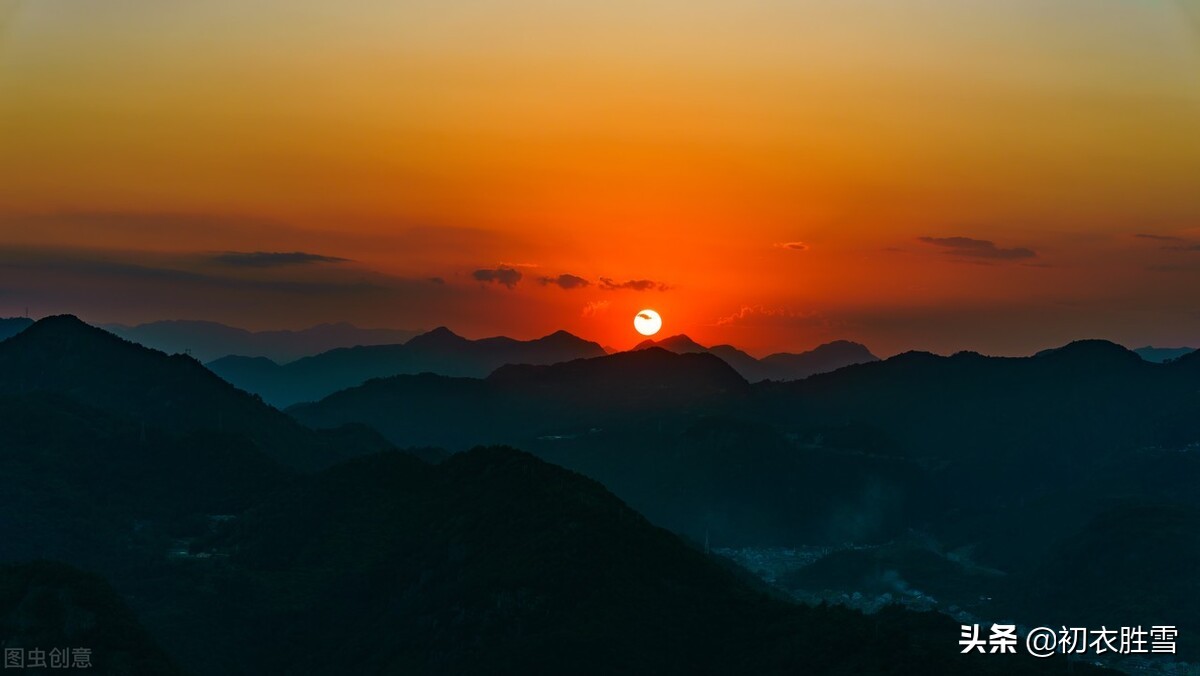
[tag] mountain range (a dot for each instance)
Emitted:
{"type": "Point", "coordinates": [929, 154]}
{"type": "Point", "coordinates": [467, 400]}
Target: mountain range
{"type": "Point", "coordinates": [11, 326]}
{"type": "Point", "coordinates": [211, 340]}
{"type": "Point", "coordinates": [237, 559]}
{"type": "Point", "coordinates": [777, 366]}
{"type": "Point", "coordinates": [1161, 354]}
{"type": "Point", "coordinates": [173, 392]}
{"type": "Point", "coordinates": [439, 351]}
{"type": "Point", "coordinates": [1009, 465]}
{"type": "Point", "coordinates": [442, 352]}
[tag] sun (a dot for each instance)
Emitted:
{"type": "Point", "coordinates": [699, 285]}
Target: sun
{"type": "Point", "coordinates": [647, 322]}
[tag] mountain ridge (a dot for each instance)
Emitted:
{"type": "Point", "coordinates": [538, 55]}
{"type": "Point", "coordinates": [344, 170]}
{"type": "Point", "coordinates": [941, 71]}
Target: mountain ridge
{"type": "Point", "coordinates": [62, 353]}
{"type": "Point", "coordinates": [776, 366]}
{"type": "Point", "coordinates": [440, 350]}
{"type": "Point", "coordinates": [208, 340]}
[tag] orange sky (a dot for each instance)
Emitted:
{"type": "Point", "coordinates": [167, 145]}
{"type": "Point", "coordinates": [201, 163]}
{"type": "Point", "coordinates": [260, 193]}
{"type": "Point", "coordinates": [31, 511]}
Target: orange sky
{"type": "Point", "coordinates": [961, 175]}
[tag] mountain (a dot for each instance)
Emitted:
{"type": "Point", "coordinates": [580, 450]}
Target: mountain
{"type": "Point", "coordinates": [973, 452]}
{"type": "Point", "coordinates": [980, 420]}
{"type": "Point", "coordinates": [525, 402]}
{"type": "Point", "coordinates": [678, 344]}
{"type": "Point", "coordinates": [822, 359]}
{"type": "Point", "coordinates": [1162, 552]}
{"type": "Point", "coordinates": [63, 355]}
{"type": "Point", "coordinates": [85, 485]}
{"type": "Point", "coordinates": [50, 607]}
{"type": "Point", "coordinates": [495, 562]}
{"type": "Point", "coordinates": [210, 340]}
{"type": "Point", "coordinates": [778, 366]}
{"type": "Point", "coordinates": [11, 326]}
{"type": "Point", "coordinates": [438, 351]}
{"type": "Point", "coordinates": [1161, 354]}
{"type": "Point", "coordinates": [489, 561]}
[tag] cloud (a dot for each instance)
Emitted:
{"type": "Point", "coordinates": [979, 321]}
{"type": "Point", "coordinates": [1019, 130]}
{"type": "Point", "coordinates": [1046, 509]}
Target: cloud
{"type": "Point", "coordinates": [501, 275]}
{"type": "Point", "coordinates": [165, 272]}
{"type": "Point", "coordinates": [595, 307]}
{"type": "Point", "coordinates": [978, 248]}
{"type": "Point", "coordinates": [1160, 238]}
{"type": "Point", "coordinates": [759, 315]}
{"type": "Point", "coordinates": [270, 259]}
{"type": "Point", "coordinates": [634, 285]}
{"type": "Point", "coordinates": [565, 281]}
{"type": "Point", "coordinates": [794, 246]}
{"type": "Point", "coordinates": [124, 286]}
{"type": "Point", "coordinates": [1170, 242]}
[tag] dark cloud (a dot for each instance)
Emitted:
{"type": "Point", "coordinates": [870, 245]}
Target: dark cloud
{"type": "Point", "coordinates": [978, 248]}
{"type": "Point", "coordinates": [163, 272]}
{"type": "Point", "coordinates": [124, 286]}
{"type": "Point", "coordinates": [501, 275]}
{"type": "Point", "coordinates": [436, 280]}
{"type": "Point", "coordinates": [270, 259]}
{"type": "Point", "coordinates": [1170, 242]}
{"type": "Point", "coordinates": [215, 232]}
{"type": "Point", "coordinates": [634, 285]}
{"type": "Point", "coordinates": [565, 281]}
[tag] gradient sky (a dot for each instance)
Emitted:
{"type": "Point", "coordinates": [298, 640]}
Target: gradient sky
{"type": "Point", "coordinates": [934, 174]}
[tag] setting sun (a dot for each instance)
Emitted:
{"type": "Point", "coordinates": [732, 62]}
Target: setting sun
{"type": "Point", "coordinates": [647, 322]}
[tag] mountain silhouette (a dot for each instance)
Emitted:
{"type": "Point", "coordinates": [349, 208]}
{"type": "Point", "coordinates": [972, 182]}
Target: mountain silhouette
{"type": "Point", "coordinates": [523, 402]}
{"type": "Point", "coordinates": [1161, 354]}
{"type": "Point", "coordinates": [970, 449]}
{"type": "Point", "coordinates": [47, 606]}
{"type": "Point", "coordinates": [778, 366]}
{"type": "Point", "coordinates": [491, 560]}
{"type": "Point", "coordinates": [11, 326]}
{"type": "Point", "coordinates": [821, 359]}
{"type": "Point", "coordinates": [211, 340]}
{"type": "Point", "coordinates": [439, 351]}
{"type": "Point", "coordinates": [63, 355]}
{"type": "Point", "coordinates": [496, 562]}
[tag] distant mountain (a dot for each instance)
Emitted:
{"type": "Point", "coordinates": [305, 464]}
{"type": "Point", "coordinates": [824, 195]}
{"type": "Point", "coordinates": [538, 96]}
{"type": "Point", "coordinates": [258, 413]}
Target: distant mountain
{"type": "Point", "coordinates": [48, 606]}
{"type": "Point", "coordinates": [822, 359]}
{"type": "Point", "coordinates": [774, 462]}
{"type": "Point", "coordinates": [439, 351]}
{"type": "Point", "coordinates": [996, 461]}
{"type": "Point", "coordinates": [523, 402]}
{"type": "Point", "coordinates": [1161, 354]}
{"type": "Point", "coordinates": [11, 326]}
{"type": "Point", "coordinates": [210, 340]}
{"type": "Point", "coordinates": [65, 356]}
{"type": "Point", "coordinates": [778, 366]}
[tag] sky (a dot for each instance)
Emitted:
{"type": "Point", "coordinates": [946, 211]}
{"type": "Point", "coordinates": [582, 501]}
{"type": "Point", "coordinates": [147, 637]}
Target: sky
{"type": "Point", "coordinates": [936, 174]}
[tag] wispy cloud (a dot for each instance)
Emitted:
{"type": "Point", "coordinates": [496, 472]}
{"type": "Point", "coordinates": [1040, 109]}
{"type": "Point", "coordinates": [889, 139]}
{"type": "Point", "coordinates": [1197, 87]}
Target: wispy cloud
{"type": "Point", "coordinates": [1171, 242]}
{"type": "Point", "coordinates": [793, 246]}
{"type": "Point", "coordinates": [1159, 238]}
{"type": "Point", "coordinates": [270, 259]}
{"type": "Point", "coordinates": [763, 315]}
{"type": "Point", "coordinates": [595, 307]}
{"type": "Point", "coordinates": [978, 248]}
